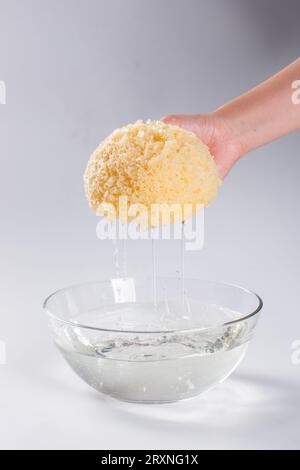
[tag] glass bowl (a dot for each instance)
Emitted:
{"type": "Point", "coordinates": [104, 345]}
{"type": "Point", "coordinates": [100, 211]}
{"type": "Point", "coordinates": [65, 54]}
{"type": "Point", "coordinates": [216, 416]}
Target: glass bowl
{"type": "Point", "coordinates": [127, 344]}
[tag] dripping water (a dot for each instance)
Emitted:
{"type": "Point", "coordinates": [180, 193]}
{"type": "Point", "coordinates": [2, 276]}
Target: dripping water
{"type": "Point", "coordinates": [182, 267]}
{"type": "Point", "coordinates": [154, 269]}
{"type": "Point", "coordinates": [120, 257]}
{"type": "Point", "coordinates": [185, 303]}
{"type": "Point", "coordinates": [124, 258]}
{"type": "Point", "coordinates": [116, 257]}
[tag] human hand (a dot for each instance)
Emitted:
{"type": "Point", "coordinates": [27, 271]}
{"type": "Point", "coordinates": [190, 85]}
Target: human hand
{"type": "Point", "coordinates": [263, 114]}
{"type": "Point", "coordinates": [216, 133]}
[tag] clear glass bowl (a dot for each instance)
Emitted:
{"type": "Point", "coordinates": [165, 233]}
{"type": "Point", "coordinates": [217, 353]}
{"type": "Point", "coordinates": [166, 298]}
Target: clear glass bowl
{"type": "Point", "coordinates": [126, 344]}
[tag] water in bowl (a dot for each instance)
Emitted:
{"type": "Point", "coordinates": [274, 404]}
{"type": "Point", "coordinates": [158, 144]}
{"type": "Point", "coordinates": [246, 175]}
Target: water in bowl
{"type": "Point", "coordinates": [152, 363]}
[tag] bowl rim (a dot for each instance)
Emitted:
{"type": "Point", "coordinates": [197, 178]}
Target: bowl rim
{"type": "Point", "coordinates": [166, 331]}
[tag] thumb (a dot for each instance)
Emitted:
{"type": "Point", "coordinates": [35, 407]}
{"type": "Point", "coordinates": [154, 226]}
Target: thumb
{"type": "Point", "coordinates": [191, 122]}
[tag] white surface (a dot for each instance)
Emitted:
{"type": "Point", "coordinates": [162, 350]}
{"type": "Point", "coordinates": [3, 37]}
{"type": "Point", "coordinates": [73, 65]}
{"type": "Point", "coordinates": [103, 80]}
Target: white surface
{"type": "Point", "coordinates": [45, 405]}
{"type": "Point", "coordinates": [52, 409]}
{"type": "Point", "coordinates": [74, 70]}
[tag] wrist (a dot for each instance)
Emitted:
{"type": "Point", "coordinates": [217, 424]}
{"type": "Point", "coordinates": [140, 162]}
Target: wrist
{"type": "Point", "coordinates": [231, 133]}
{"type": "Point", "coordinates": [237, 128]}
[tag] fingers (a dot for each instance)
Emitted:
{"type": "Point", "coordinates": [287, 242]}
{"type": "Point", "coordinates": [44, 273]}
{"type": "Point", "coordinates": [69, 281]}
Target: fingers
{"type": "Point", "coordinates": [189, 122]}
{"type": "Point", "coordinates": [176, 119]}
{"type": "Point", "coordinates": [196, 123]}
{"type": "Point", "coordinates": [170, 118]}
{"type": "Point", "coordinates": [223, 166]}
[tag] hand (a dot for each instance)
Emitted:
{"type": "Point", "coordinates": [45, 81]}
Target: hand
{"type": "Point", "coordinates": [215, 133]}
{"type": "Point", "coordinates": [263, 114]}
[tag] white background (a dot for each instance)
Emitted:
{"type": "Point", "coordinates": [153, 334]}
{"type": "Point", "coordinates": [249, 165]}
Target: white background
{"type": "Point", "coordinates": [74, 71]}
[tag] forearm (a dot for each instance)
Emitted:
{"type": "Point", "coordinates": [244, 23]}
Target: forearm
{"type": "Point", "coordinates": [267, 112]}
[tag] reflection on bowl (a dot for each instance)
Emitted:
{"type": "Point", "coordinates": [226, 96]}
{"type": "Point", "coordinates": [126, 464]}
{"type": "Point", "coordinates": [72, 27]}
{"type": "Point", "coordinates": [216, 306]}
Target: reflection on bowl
{"type": "Point", "coordinates": [125, 345]}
